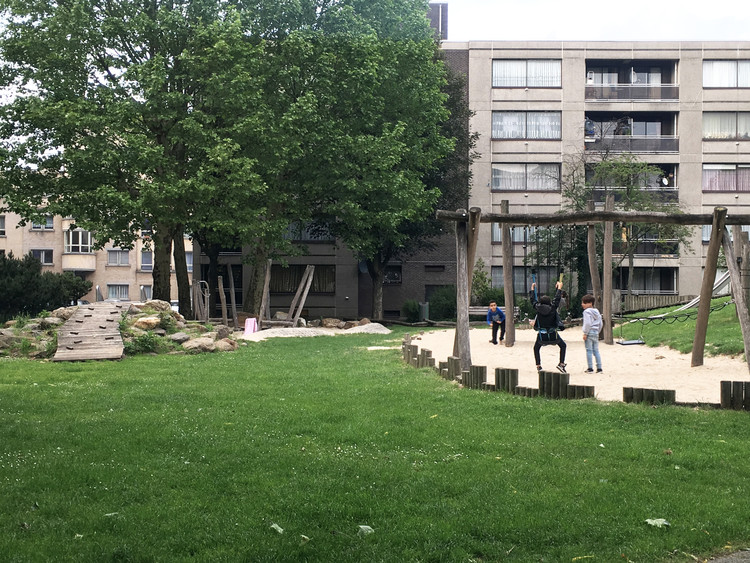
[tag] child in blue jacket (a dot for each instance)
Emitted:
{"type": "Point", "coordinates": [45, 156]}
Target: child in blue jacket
{"type": "Point", "coordinates": [496, 319]}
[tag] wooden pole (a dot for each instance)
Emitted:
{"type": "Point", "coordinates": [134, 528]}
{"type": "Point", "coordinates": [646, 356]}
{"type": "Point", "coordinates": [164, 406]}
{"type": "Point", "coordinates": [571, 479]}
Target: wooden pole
{"type": "Point", "coordinates": [738, 293]}
{"type": "Point", "coordinates": [508, 289]}
{"type": "Point", "coordinates": [265, 308]}
{"type": "Point", "coordinates": [308, 278]}
{"type": "Point", "coordinates": [223, 299]}
{"type": "Point", "coordinates": [607, 273]}
{"type": "Point", "coordinates": [709, 276]}
{"type": "Point", "coordinates": [462, 347]}
{"type": "Point", "coordinates": [596, 281]}
{"type": "Point", "coordinates": [472, 236]}
{"type": "Point", "coordinates": [232, 300]}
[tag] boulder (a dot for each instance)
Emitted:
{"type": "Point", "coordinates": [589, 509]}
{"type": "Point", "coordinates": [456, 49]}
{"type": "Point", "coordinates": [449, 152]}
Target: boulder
{"type": "Point", "coordinates": [281, 316]}
{"type": "Point", "coordinates": [50, 322]}
{"type": "Point", "coordinates": [147, 323]}
{"type": "Point", "coordinates": [158, 305]}
{"type": "Point", "coordinates": [364, 321]}
{"type": "Point", "coordinates": [330, 323]}
{"type": "Point", "coordinates": [226, 345]}
{"type": "Point", "coordinates": [64, 313]}
{"type": "Point", "coordinates": [350, 324]}
{"type": "Point", "coordinates": [179, 337]}
{"type": "Point", "coordinates": [200, 344]}
{"type": "Point", "coordinates": [222, 331]}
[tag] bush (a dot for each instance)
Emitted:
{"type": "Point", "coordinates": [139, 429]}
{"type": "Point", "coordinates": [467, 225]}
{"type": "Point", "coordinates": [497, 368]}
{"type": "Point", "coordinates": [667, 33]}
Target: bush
{"type": "Point", "coordinates": [489, 294]}
{"type": "Point", "coordinates": [145, 343]}
{"type": "Point", "coordinates": [443, 303]}
{"type": "Point", "coordinates": [410, 310]}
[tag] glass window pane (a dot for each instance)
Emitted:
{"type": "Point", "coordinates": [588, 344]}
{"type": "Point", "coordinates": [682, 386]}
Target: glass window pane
{"type": "Point", "coordinates": [544, 74]}
{"type": "Point", "coordinates": [508, 74]}
{"type": "Point", "coordinates": [720, 74]}
{"type": "Point", "coordinates": [508, 125]}
{"type": "Point", "coordinates": [719, 177]}
{"type": "Point", "coordinates": [508, 177]}
{"type": "Point", "coordinates": [743, 74]}
{"type": "Point", "coordinates": [544, 125]}
{"type": "Point", "coordinates": [543, 177]}
{"type": "Point", "coordinates": [719, 125]}
{"type": "Point", "coordinates": [743, 125]}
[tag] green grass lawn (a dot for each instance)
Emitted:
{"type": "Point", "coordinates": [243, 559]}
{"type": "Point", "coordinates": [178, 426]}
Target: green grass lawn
{"type": "Point", "coordinates": [172, 458]}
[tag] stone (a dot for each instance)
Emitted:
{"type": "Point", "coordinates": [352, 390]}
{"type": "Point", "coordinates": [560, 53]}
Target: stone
{"type": "Point", "coordinates": [157, 305]}
{"type": "Point", "coordinates": [147, 323]}
{"type": "Point", "coordinates": [179, 337]}
{"type": "Point", "coordinates": [201, 344]}
{"type": "Point", "coordinates": [350, 324]}
{"type": "Point", "coordinates": [330, 323]}
{"type": "Point", "coordinates": [64, 313]}
{"type": "Point", "coordinates": [222, 331]}
{"type": "Point", "coordinates": [226, 345]}
{"type": "Point", "coordinates": [281, 316]}
{"type": "Point", "coordinates": [364, 321]}
{"type": "Point", "coordinates": [50, 322]}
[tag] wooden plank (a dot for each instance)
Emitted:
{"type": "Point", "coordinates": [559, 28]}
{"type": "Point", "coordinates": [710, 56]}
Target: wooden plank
{"type": "Point", "coordinates": [508, 296]}
{"type": "Point", "coordinates": [91, 334]}
{"type": "Point", "coordinates": [738, 294]}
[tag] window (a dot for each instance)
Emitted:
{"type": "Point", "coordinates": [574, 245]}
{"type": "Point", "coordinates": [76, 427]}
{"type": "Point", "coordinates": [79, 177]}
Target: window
{"type": "Point", "coordinates": [78, 242]}
{"type": "Point", "coordinates": [287, 280]}
{"type": "Point", "coordinates": [434, 268]}
{"type": "Point", "coordinates": [47, 224]}
{"type": "Point", "coordinates": [392, 275]}
{"type": "Point", "coordinates": [534, 73]}
{"type": "Point", "coordinates": [726, 74]}
{"type": "Point", "coordinates": [118, 291]}
{"type": "Point", "coordinates": [2, 225]}
{"type": "Point", "coordinates": [518, 235]}
{"type": "Point", "coordinates": [526, 124]}
{"type": "Point", "coordinates": [308, 233]}
{"type": "Point", "coordinates": [706, 231]}
{"type": "Point", "coordinates": [118, 257]}
{"type": "Point", "coordinates": [526, 177]}
{"type": "Point", "coordinates": [43, 255]}
{"type": "Point", "coordinates": [189, 261]}
{"type": "Point", "coordinates": [147, 261]}
{"type": "Point", "coordinates": [726, 125]}
{"type": "Point", "coordinates": [726, 177]}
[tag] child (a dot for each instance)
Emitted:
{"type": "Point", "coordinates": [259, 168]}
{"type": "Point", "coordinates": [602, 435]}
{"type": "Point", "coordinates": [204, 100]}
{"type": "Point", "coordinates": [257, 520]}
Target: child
{"type": "Point", "coordinates": [592, 324]}
{"type": "Point", "coordinates": [546, 324]}
{"type": "Point", "coordinates": [496, 318]}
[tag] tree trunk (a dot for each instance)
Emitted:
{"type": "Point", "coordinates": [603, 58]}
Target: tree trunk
{"type": "Point", "coordinates": [596, 283]}
{"type": "Point", "coordinates": [213, 276]}
{"type": "Point", "coordinates": [377, 275]}
{"type": "Point", "coordinates": [631, 270]}
{"type": "Point", "coordinates": [254, 293]}
{"type": "Point", "coordinates": [162, 237]}
{"type": "Point", "coordinates": [183, 279]}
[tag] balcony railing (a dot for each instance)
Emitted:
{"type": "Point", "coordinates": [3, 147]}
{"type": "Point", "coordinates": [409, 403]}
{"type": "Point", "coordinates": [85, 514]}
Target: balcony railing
{"type": "Point", "coordinates": [634, 143]}
{"type": "Point", "coordinates": [633, 92]}
{"type": "Point", "coordinates": [662, 195]}
{"type": "Point", "coordinates": [666, 248]}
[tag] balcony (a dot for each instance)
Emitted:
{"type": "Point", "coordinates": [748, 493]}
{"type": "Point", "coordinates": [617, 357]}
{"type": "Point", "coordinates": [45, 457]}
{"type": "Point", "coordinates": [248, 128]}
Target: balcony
{"type": "Point", "coordinates": [79, 262]}
{"type": "Point", "coordinates": [634, 143]}
{"type": "Point", "coordinates": [664, 195]}
{"type": "Point", "coordinates": [632, 92]}
{"type": "Point", "coordinates": [650, 248]}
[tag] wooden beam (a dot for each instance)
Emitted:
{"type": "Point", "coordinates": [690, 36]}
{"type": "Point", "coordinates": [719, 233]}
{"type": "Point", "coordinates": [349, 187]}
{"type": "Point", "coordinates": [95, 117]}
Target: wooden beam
{"type": "Point", "coordinates": [509, 297]}
{"type": "Point", "coordinates": [462, 343]}
{"type": "Point", "coordinates": [607, 291]}
{"type": "Point", "coordinates": [586, 217]}
{"type": "Point", "coordinates": [472, 236]}
{"type": "Point", "coordinates": [738, 293]}
{"type": "Point", "coordinates": [596, 280]}
{"type": "Point", "coordinates": [709, 277]}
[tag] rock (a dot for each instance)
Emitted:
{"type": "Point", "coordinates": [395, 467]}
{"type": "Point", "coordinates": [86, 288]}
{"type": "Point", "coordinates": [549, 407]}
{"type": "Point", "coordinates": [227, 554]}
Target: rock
{"type": "Point", "coordinates": [201, 344]}
{"type": "Point", "coordinates": [158, 305]}
{"type": "Point", "coordinates": [364, 321]}
{"type": "Point", "coordinates": [281, 316]}
{"type": "Point", "coordinates": [330, 323]}
{"type": "Point", "coordinates": [179, 337]}
{"type": "Point", "coordinates": [350, 324]}
{"type": "Point", "coordinates": [226, 345]}
{"type": "Point", "coordinates": [50, 322]}
{"type": "Point", "coordinates": [302, 322]}
{"type": "Point", "coordinates": [213, 335]}
{"type": "Point", "coordinates": [314, 323]}
{"type": "Point", "coordinates": [222, 331]}
{"type": "Point", "coordinates": [147, 323]}
{"type": "Point", "coordinates": [64, 313]}
{"type": "Point", "coordinates": [160, 332]}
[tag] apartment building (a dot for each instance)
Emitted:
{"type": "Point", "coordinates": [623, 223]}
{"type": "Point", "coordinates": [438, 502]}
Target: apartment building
{"type": "Point", "coordinates": [683, 107]}
{"type": "Point", "coordinates": [115, 273]}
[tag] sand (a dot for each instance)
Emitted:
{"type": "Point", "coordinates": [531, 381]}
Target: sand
{"type": "Point", "coordinates": [624, 366]}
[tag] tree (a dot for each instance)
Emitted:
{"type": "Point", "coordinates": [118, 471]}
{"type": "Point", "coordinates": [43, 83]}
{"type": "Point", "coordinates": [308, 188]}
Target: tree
{"type": "Point", "coordinates": [635, 186]}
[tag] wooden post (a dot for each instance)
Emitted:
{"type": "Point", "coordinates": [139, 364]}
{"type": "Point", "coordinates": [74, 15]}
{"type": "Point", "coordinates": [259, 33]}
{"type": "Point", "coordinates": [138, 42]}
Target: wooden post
{"type": "Point", "coordinates": [462, 346]}
{"type": "Point", "coordinates": [232, 300]}
{"type": "Point", "coordinates": [709, 276]}
{"type": "Point", "coordinates": [472, 235]}
{"type": "Point", "coordinates": [726, 394]}
{"type": "Point", "coordinates": [223, 299]}
{"type": "Point", "coordinates": [740, 298]}
{"type": "Point", "coordinates": [265, 301]}
{"type": "Point", "coordinates": [508, 289]}
{"type": "Point", "coordinates": [308, 279]}
{"type": "Point", "coordinates": [607, 269]}
{"type": "Point", "coordinates": [596, 282]}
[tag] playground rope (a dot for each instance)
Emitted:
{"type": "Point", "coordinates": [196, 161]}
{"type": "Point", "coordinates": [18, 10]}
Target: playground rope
{"type": "Point", "coordinates": [671, 319]}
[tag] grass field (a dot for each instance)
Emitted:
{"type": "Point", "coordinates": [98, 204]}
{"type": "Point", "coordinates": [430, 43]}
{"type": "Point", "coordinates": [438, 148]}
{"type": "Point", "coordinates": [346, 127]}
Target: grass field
{"type": "Point", "coordinates": [284, 449]}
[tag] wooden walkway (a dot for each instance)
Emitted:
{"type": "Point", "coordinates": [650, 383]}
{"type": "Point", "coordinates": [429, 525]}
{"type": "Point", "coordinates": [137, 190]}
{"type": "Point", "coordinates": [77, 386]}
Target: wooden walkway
{"type": "Point", "coordinates": [92, 333]}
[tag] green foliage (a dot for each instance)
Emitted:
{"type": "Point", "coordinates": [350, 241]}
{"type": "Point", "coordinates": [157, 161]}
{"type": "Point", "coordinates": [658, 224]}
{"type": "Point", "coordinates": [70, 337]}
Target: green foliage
{"type": "Point", "coordinates": [28, 291]}
{"type": "Point", "coordinates": [443, 303]}
{"type": "Point", "coordinates": [481, 283]}
{"type": "Point", "coordinates": [145, 343]}
{"type": "Point", "coordinates": [191, 459]}
{"type": "Point", "coordinates": [410, 310]}
{"type": "Point", "coordinates": [166, 321]}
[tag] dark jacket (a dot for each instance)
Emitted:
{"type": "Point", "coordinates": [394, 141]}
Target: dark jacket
{"type": "Point", "coordinates": [546, 315]}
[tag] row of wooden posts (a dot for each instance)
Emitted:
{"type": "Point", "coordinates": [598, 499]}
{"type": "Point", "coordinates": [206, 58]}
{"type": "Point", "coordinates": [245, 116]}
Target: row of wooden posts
{"type": "Point", "coordinates": [553, 385]}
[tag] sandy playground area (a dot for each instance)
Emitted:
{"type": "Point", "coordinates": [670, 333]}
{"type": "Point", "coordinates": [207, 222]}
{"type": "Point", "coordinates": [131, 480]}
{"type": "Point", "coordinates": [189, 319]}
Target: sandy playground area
{"type": "Point", "coordinates": [624, 366]}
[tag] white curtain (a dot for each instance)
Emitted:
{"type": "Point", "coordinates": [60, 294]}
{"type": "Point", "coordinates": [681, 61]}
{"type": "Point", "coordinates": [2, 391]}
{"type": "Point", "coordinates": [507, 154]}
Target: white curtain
{"type": "Point", "coordinates": [544, 125]}
{"type": "Point", "coordinates": [720, 74]}
{"type": "Point", "coordinates": [544, 74]}
{"type": "Point", "coordinates": [743, 125]}
{"type": "Point", "coordinates": [508, 74]}
{"type": "Point", "coordinates": [743, 74]}
{"type": "Point", "coordinates": [508, 125]}
{"type": "Point", "coordinates": [719, 125]}
{"type": "Point", "coordinates": [543, 177]}
{"type": "Point", "coordinates": [743, 178]}
{"type": "Point", "coordinates": [508, 177]}
{"type": "Point", "coordinates": [719, 177]}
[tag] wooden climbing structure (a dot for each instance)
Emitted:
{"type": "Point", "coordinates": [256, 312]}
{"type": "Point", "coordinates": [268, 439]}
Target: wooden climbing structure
{"type": "Point", "coordinates": [92, 333]}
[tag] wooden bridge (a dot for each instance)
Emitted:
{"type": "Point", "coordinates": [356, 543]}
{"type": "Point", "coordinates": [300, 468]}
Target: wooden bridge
{"type": "Point", "coordinates": [92, 333]}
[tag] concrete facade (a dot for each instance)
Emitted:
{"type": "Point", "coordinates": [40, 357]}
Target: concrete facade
{"type": "Point", "coordinates": [661, 92]}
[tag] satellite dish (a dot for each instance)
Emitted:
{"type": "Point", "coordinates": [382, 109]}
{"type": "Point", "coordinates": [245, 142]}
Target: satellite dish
{"type": "Point", "coordinates": [664, 181]}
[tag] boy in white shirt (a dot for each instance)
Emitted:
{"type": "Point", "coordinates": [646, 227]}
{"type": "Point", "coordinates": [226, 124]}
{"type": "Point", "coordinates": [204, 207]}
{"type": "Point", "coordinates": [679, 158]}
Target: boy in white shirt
{"type": "Point", "coordinates": [592, 324]}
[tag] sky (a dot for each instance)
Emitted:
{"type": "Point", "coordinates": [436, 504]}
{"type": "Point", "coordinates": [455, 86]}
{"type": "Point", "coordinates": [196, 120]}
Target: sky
{"type": "Point", "coordinates": [586, 20]}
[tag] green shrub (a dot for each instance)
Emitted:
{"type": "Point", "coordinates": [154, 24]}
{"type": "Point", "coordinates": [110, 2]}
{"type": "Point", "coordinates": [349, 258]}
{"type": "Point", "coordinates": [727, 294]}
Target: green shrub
{"type": "Point", "coordinates": [443, 303]}
{"type": "Point", "coordinates": [410, 310]}
{"type": "Point", "coordinates": [145, 343]}
{"type": "Point", "coordinates": [489, 294]}
{"type": "Point", "coordinates": [166, 321]}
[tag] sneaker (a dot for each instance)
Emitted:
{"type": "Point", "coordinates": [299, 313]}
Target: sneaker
{"type": "Point", "coordinates": [589, 370]}
{"type": "Point", "coordinates": [493, 342]}
{"type": "Point", "coordinates": [538, 368]}
{"type": "Point", "coordinates": [561, 367]}
{"type": "Point", "coordinates": [599, 370]}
